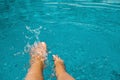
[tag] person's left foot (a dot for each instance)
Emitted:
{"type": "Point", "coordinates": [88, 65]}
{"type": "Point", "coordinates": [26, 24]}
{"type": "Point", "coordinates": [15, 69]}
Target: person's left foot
{"type": "Point", "coordinates": [38, 51]}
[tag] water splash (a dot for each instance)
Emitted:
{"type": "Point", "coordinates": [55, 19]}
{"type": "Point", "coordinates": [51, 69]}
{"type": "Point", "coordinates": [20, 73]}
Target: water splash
{"type": "Point", "coordinates": [31, 37]}
{"type": "Point", "coordinates": [35, 33]}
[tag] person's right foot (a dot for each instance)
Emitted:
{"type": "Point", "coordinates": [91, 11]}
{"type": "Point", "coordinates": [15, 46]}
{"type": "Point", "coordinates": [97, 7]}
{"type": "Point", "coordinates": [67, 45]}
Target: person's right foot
{"type": "Point", "coordinates": [59, 65]}
{"type": "Point", "coordinates": [60, 69]}
{"type": "Point", "coordinates": [57, 59]}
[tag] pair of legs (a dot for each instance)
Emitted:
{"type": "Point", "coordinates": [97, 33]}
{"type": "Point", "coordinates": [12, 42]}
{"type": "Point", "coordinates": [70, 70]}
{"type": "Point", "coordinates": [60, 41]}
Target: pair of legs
{"type": "Point", "coordinates": [38, 53]}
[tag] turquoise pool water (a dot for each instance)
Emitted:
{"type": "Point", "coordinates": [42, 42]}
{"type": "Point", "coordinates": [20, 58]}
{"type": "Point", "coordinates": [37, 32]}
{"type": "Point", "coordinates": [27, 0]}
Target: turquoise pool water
{"type": "Point", "coordinates": [84, 33]}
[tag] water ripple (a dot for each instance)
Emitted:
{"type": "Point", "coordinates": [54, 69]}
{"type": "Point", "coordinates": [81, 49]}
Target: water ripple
{"type": "Point", "coordinates": [101, 5]}
{"type": "Point", "coordinates": [94, 28]}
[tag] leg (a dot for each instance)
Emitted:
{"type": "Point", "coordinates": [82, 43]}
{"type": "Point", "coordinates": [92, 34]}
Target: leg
{"type": "Point", "coordinates": [38, 52]}
{"type": "Point", "coordinates": [61, 73]}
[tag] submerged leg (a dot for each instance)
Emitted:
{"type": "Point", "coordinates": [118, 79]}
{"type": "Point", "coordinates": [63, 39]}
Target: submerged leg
{"type": "Point", "coordinates": [38, 52]}
{"type": "Point", "coordinates": [61, 73]}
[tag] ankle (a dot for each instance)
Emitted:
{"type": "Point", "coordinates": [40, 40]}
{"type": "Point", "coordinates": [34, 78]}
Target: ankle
{"type": "Point", "coordinates": [60, 72]}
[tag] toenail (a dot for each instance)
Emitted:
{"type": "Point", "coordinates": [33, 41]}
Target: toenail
{"type": "Point", "coordinates": [42, 42]}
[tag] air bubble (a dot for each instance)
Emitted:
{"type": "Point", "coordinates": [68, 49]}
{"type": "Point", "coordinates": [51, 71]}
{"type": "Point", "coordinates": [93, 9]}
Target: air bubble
{"type": "Point", "coordinates": [18, 53]}
{"type": "Point", "coordinates": [27, 48]}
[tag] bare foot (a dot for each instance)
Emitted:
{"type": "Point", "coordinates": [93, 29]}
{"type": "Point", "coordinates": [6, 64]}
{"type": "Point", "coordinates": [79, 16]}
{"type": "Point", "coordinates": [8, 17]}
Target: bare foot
{"type": "Point", "coordinates": [38, 55]}
{"type": "Point", "coordinates": [38, 52]}
{"type": "Point", "coordinates": [61, 73]}
{"type": "Point", "coordinates": [59, 65]}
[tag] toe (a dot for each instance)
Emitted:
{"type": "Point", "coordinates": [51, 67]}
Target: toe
{"type": "Point", "coordinates": [42, 44]}
{"type": "Point", "coordinates": [55, 57]}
